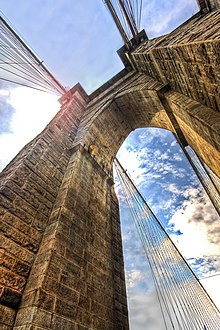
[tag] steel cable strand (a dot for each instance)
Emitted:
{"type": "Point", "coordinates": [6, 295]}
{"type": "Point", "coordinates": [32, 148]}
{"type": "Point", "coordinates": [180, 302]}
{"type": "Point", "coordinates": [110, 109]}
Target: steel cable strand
{"type": "Point", "coordinates": [213, 176]}
{"type": "Point", "coordinates": [203, 177]}
{"type": "Point", "coordinates": [128, 16]}
{"type": "Point", "coordinates": [29, 54]}
{"type": "Point", "coordinates": [24, 72]}
{"type": "Point", "coordinates": [198, 298]}
{"type": "Point", "coordinates": [147, 256]}
{"type": "Point", "coordinates": [10, 38]}
{"type": "Point", "coordinates": [20, 76]}
{"type": "Point", "coordinates": [188, 266]}
{"type": "Point", "coordinates": [178, 270]}
{"type": "Point", "coordinates": [133, 10]}
{"type": "Point", "coordinates": [140, 14]}
{"type": "Point", "coordinates": [191, 272]}
{"type": "Point", "coordinates": [126, 10]}
{"type": "Point", "coordinates": [151, 250]}
{"type": "Point", "coordinates": [204, 169]}
{"type": "Point", "coordinates": [33, 76]}
{"type": "Point", "coordinates": [188, 297]}
{"type": "Point", "coordinates": [131, 14]}
{"type": "Point", "coordinates": [20, 54]}
{"type": "Point", "coordinates": [207, 180]}
{"type": "Point", "coordinates": [162, 281]}
{"type": "Point", "coordinates": [160, 290]}
{"type": "Point", "coordinates": [158, 272]}
{"type": "Point", "coordinates": [202, 304]}
{"type": "Point", "coordinates": [171, 284]}
{"type": "Point", "coordinates": [159, 260]}
{"type": "Point", "coordinates": [166, 278]}
{"type": "Point", "coordinates": [174, 285]}
{"type": "Point", "coordinates": [123, 19]}
{"type": "Point", "coordinates": [29, 86]}
{"type": "Point", "coordinates": [204, 294]}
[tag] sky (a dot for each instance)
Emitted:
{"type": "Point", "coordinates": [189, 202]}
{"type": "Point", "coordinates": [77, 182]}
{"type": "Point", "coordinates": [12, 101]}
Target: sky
{"type": "Point", "coordinates": [78, 42]}
{"type": "Point", "coordinates": [162, 173]}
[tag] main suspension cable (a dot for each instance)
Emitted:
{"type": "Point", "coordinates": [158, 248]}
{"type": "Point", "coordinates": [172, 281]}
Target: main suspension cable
{"type": "Point", "coordinates": [184, 303]}
{"type": "Point", "coordinates": [20, 65]}
{"type": "Point", "coordinates": [127, 16]}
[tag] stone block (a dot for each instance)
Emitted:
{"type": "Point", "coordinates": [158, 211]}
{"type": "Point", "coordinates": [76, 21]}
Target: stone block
{"type": "Point", "coordinates": [10, 297]}
{"type": "Point", "coordinates": [62, 323]}
{"type": "Point", "coordinates": [21, 268]}
{"type": "Point", "coordinates": [16, 250]}
{"type": "Point", "coordinates": [45, 300]}
{"type": "Point", "coordinates": [5, 327]}
{"type": "Point", "coordinates": [12, 280]}
{"type": "Point", "coordinates": [42, 319]}
{"type": "Point", "coordinates": [7, 316]}
{"type": "Point", "coordinates": [25, 316]}
{"type": "Point", "coordinates": [8, 193]}
{"type": "Point", "coordinates": [6, 260]}
{"type": "Point", "coordinates": [66, 309]}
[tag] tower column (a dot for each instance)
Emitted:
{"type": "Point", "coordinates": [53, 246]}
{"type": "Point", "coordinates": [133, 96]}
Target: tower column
{"type": "Point", "coordinates": [195, 125]}
{"type": "Point", "coordinates": [208, 5]}
{"type": "Point", "coordinates": [77, 279]}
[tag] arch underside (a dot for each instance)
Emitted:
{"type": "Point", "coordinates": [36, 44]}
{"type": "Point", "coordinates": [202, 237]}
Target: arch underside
{"type": "Point", "coordinates": [140, 101]}
{"type": "Point", "coordinates": [70, 231]}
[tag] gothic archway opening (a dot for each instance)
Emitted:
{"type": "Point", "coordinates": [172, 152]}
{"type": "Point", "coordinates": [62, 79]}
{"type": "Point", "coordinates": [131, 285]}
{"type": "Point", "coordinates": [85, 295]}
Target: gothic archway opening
{"type": "Point", "coordinates": [159, 168]}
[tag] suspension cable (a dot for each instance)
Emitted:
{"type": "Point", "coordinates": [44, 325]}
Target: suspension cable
{"type": "Point", "coordinates": [20, 65]}
{"type": "Point", "coordinates": [127, 16]}
{"type": "Point", "coordinates": [209, 181]}
{"type": "Point", "coordinates": [184, 303]}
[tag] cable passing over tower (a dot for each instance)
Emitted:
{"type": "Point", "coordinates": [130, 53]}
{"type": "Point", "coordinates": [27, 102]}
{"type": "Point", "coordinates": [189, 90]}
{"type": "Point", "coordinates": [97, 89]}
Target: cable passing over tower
{"type": "Point", "coordinates": [127, 17]}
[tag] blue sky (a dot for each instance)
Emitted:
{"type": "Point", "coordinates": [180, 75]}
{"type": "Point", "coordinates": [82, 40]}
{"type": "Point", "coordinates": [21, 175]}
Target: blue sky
{"type": "Point", "coordinates": [78, 42]}
{"type": "Point", "coordinates": [160, 170]}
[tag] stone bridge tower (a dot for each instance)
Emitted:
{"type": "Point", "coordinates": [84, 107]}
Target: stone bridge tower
{"type": "Point", "coordinates": [61, 252]}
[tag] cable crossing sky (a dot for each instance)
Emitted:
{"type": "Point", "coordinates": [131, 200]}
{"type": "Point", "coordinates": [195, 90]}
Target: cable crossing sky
{"type": "Point", "coordinates": [183, 301]}
{"type": "Point", "coordinates": [127, 16]}
{"type": "Point", "coordinates": [207, 178]}
{"type": "Point", "coordinates": [19, 64]}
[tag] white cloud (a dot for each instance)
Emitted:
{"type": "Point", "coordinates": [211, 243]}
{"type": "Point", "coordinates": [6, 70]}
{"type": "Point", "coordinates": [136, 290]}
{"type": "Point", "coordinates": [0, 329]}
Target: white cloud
{"type": "Point", "coordinates": [34, 110]}
{"type": "Point", "coordinates": [171, 188]}
{"type": "Point", "coordinates": [212, 286]}
{"type": "Point", "coordinates": [4, 92]}
{"type": "Point", "coordinates": [134, 276]}
{"type": "Point", "coordinates": [199, 224]}
{"type": "Point", "coordinates": [145, 312]}
{"type": "Point", "coordinates": [162, 17]}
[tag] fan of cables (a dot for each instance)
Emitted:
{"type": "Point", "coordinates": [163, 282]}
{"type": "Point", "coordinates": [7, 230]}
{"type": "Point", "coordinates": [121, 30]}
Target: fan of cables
{"type": "Point", "coordinates": [208, 179]}
{"type": "Point", "coordinates": [127, 15]}
{"type": "Point", "coordinates": [18, 63]}
{"type": "Point", "coordinates": [184, 303]}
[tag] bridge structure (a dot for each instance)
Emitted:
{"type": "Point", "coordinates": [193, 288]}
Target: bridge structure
{"type": "Point", "coordinates": [61, 248]}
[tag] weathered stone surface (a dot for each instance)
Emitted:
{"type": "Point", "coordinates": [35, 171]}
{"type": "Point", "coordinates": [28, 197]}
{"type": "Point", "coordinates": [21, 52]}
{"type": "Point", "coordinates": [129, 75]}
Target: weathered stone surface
{"type": "Point", "coordinates": [27, 193]}
{"type": "Point", "coordinates": [10, 297]}
{"type": "Point", "coordinates": [7, 315]}
{"type": "Point", "coordinates": [187, 59]}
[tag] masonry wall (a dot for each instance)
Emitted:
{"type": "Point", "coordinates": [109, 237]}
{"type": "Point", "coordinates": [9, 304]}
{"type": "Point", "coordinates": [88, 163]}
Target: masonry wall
{"type": "Point", "coordinates": [77, 279]}
{"type": "Point", "coordinates": [28, 189]}
{"type": "Point", "coordinates": [61, 256]}
{"type": "Point", "coordinates": [187, 59]}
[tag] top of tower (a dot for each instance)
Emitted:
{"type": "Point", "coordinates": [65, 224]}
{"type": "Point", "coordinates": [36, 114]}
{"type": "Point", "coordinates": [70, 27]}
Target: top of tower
{"type": "Point", "coordinates": [127, 17]}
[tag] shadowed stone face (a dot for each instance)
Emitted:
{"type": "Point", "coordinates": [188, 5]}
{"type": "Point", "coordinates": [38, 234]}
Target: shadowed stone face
{"type": "Point", "coordinates": [61, 257]}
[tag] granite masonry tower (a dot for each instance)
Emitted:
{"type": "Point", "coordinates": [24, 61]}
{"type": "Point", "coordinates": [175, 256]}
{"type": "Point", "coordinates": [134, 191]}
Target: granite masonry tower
{"type": "Point", "coordinates": [61, 252]}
